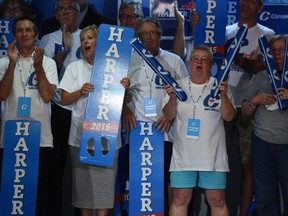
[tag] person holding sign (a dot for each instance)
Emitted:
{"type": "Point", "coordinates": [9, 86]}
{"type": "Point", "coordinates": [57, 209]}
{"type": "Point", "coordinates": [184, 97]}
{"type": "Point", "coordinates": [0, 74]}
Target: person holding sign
{"type": "Point", "coordinates": [28, 79]}
{"type": "Point", "coordinates": [199, 151]}
{"type": "Point", "coordinates": [93, 186]}
{"type": "Point", "coordinates": [248, 62]}
{"type": "Point", "coordinates": [147, 89]}
{"type": "Point", "coordinates": [269, 143]}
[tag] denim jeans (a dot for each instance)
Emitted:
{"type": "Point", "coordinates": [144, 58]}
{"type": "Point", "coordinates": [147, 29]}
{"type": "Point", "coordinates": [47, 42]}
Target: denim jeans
{"type": "Point", "coordinates": [270, 167]}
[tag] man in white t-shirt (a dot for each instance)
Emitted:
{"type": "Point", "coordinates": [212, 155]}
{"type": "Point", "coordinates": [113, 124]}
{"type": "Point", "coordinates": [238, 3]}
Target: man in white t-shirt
{"type": "Point", "coordinates": [26, 74]}
{"type": "Point", "coordinates": [146, 84]}
{"type": "Point", "coordinates": [248, 62]}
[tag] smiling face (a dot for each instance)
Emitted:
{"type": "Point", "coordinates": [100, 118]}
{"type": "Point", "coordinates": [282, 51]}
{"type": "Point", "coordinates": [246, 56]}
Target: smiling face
{"type": "Point", "coordinates": [200, 66]}
{"type": "Point", "coordinates": [88, 45]}
{"type": "Point", "coordinates": [150, 36]}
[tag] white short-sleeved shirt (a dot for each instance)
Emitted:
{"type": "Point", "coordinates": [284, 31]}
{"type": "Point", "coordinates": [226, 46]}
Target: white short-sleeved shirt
{"type": "Point", "coordinates": [146, 83]}
{"type": "Point", "coordinates": [76, 74]}
{"type": "Point", "coordinates": [25, 73]}
{"type": "Point", "coordinates": [208, 152]}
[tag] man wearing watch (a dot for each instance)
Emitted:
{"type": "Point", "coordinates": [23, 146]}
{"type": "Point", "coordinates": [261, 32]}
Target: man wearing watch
{"type": "Point", "coordinates": [63, 46]}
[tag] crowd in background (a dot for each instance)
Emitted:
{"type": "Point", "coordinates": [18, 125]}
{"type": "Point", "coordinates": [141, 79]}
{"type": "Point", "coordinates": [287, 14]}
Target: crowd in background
{"type": "Point", "coordinates": [58, 53]}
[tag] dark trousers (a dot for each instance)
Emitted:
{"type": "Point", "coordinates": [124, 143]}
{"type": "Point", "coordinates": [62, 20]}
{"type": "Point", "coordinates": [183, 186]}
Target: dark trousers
{"type": "Point", "coordinates": [60, 123]}
{"type": "Point", "coordinates": [43, 202]}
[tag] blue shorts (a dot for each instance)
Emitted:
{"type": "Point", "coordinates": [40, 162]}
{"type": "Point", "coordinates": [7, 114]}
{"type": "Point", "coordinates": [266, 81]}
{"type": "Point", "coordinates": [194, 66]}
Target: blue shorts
{"type": "Point", "coordinates": [203, 179]}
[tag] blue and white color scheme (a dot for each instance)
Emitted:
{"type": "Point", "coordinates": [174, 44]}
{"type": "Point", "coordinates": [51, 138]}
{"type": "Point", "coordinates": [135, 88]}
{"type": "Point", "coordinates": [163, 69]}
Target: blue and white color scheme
{"type": "Point", "coordinates": [234, 48]}
{"type": "Point", "coordinates": [6, 35]}
{"type": "Point", "coordinates": [284, 82]}
{"type": "Point", "coordinates": [272, 72]}
{"type": "Point", "coordinates": [211, 30]}
{"type": "Point", "coordinates": [104, 105]}
{"type": "Point", "coordinates": [20, 167]}
{"type": "Point", "coordinates": [159, 69]}
{"type": "Point", "coordinates": [146, 171]}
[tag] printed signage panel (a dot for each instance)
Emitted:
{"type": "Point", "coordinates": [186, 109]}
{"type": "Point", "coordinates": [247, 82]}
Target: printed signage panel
{"type": "Point", "coordinates": [20, 167]}
{"type": "Point", "coordinates": [104, 105]}
{"type": "Point", "coordinates": [6, 35]}
{"type": "Point", "coordinates": [146, 181]}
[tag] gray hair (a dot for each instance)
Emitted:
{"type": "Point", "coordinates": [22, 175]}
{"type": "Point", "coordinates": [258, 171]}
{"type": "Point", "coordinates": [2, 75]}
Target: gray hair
{"type": "Point", "coordinates": [75, 5]}
{"type": "Point", "coordinates": [276, 38]}
{"type": "Point", "coordinates": [150, 20]}
{"type": "Point", "coordinates": [202, 48]}
{"type": "Point", "coordinates": [135, 5]}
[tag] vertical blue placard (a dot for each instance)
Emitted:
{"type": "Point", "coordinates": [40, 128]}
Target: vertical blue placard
{"type": "Point", "coordinates": [146, 181]}
{"type": "Point", "coordinates": [213, 16]}
{"type": "Point", "coordinates": [20, 167]}
{"type": "Point", "coordinates": [6, 35]}
{"type": "Point", "coordinates": [104, 105]}
{"type": "Point", "coordinates": [272, 72]}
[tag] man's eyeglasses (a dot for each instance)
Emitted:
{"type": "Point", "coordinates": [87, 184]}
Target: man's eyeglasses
{"type": "Point", "coordinates": [197, 59]}
{"type": "Point", "coordinates": [132, 16]}
{"type": "Point", "coordinates": [14, 10]}
{"type": "Point", "coordinates": [150, 33]}
{"type": "Point", "coordinates": [280, 50]}
{"type": "Point", "coordinates": [63, 9]}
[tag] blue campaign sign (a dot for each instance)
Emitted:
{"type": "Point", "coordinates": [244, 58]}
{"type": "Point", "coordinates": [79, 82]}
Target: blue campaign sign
{"type": "Point", "coordinates": [164, 12]}
{"type": "Point", "coordinates": [272, 72]}
{"type": "Point", "coordinates": [213, 16]}
{"type": "Point", "coordinates": [146, 181]}
{"type": "Point", "coordinates": [227, 61]}
{"type": "Point", "coordinates": [20, 167]}
{"type": "Point", "coordinates": [232, 11]}
{"type": "Point", "coordinates": [104, 105]}
{"type": "Point", "coordinates": [6, 35]}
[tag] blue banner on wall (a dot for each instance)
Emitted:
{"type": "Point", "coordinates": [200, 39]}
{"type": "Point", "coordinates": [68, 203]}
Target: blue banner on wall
{"type": "Point", "coordinates": [146, 171]}
{"type": "Point", "coordinates": [20, 167]}
{"type": "Point", "coordinates": [275, 17]}
{"type": "Point", "coordinates": [104, 105]}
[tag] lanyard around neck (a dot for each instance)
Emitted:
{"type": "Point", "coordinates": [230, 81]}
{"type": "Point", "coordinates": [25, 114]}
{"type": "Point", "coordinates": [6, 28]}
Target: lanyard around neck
{"type": "Point", "coordinates": [23, 81]}
{"type": "Point", "coordinates": [195, 103]}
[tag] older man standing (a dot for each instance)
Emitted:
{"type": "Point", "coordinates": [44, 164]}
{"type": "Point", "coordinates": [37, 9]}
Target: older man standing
{"type": "Point", "coordinates": [146, 85]}
{"type": "Point", "coordinates": [27, 75]}
{"type": "Point", "coordinates": [87, 17]}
